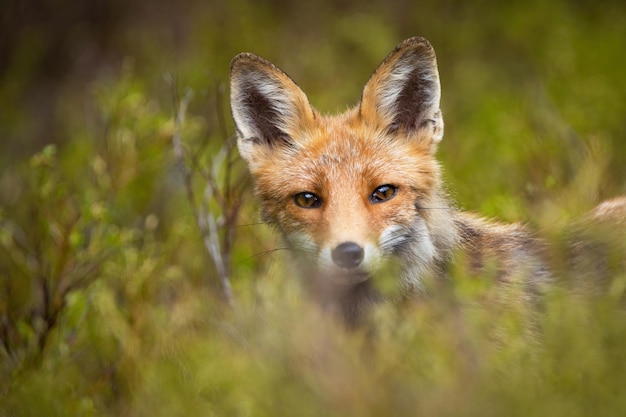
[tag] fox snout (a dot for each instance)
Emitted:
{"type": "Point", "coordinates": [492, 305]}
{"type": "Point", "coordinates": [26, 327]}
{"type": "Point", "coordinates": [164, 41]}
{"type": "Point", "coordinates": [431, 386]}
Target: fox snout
{"type": "Point", "coordinates": [348, 255]}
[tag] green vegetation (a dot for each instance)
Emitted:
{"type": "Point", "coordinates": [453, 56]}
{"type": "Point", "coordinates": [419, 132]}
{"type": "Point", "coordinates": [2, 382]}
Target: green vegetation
{"type": "Point", "coordinates": [111, 303]}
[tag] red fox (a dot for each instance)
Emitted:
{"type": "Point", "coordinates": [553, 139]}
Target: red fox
{"type": "Point", "coordinates": [350, 192]}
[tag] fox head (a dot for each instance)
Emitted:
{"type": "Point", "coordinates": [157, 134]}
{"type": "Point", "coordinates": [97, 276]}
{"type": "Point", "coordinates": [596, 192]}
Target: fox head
{"type": "Point", "coordinates": [350, 191]}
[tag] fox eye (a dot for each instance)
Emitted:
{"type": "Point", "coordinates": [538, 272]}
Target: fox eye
{"type": "Point", "coordinates": [307, 200]}
{"type": "Point", "coordinates": [383, 193]}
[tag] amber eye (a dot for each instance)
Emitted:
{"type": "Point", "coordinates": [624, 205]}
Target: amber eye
{"type": "Point", "coordinates": [383, 193]}
{"type": "Point", "coordinates": [307, 200]}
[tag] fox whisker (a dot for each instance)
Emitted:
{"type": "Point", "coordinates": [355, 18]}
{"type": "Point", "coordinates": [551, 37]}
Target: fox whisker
{"type": "Point", "coordinates": [263, 253]}
{"type": "Point", "coordinates": [239, 226]}
{"type": "Point", "coordinates": [437, 208]}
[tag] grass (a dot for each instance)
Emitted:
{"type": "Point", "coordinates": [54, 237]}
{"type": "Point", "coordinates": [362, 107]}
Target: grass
{"type": "Point", "coordinates": [110, 304]}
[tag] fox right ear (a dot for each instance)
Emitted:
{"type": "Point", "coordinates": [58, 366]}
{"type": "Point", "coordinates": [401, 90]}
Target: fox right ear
{"type": "Point", "coordinates": [267, 106]}
{"type": "Point", "coordinates": [403, 93]}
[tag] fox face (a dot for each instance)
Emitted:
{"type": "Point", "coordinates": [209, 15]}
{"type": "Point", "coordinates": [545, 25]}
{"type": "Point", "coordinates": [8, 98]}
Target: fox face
{"type": "Point", "coordinates": [352, 191]}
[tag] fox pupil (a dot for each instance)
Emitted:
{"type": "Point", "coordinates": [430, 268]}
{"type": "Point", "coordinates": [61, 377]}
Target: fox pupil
{"type": "Point", "coordinates": [307, 200]}
{"type": "Point", "coordinates": [383, 193]}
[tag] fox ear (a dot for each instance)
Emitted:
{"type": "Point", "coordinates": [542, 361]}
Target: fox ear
{"type": "Point", "coordinates": [267, 106]}
{"type": "Point", "coordinates": [403, 93]}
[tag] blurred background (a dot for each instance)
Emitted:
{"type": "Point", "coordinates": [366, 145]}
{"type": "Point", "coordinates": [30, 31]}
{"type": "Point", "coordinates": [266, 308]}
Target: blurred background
{"type": "Point", "coordinates": [109, 303]}
{"type": "Point", "coordinates": [527, 86]}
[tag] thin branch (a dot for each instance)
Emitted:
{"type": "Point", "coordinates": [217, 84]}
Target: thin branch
{"type": "Point", "coordinates": [205, 219]}
{"type": "Point", "coordinates": [179, 151]}
{"type": "Point", "coordinates": [208, 223]}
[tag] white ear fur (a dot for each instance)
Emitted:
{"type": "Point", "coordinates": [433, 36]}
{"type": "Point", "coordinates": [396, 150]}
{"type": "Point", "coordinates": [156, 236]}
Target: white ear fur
{"type": "Point", "coordinates": [267, 106]}
{"type": "Point", "coordinates": [404, 92]}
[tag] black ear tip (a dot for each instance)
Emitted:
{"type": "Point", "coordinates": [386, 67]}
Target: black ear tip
{"type": "Point", "coordinates": [417, 46]}
{"type": "Point", "coordinates": [248, 60]}
{"type": "Point", "coordinates": [239, 60]}
{"type": "Point", "coordinates": [416, 41]}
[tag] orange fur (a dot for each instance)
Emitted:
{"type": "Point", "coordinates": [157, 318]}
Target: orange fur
{"type": "Point", "coordinates": [320, 180]}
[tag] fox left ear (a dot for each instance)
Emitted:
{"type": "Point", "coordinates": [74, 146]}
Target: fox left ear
{"type": "Point", "coordinates": [269, 109]}
{"type": "Point", "coordinates": [403, 93]}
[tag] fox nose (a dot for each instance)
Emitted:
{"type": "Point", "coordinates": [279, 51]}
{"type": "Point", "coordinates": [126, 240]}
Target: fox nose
{"type": "Point", "coordinates": [348, 255]}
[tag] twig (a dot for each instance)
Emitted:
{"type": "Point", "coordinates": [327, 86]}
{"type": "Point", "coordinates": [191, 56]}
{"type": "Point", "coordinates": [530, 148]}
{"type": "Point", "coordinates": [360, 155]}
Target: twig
{"type": "Point", "coordinates": [208, 224]}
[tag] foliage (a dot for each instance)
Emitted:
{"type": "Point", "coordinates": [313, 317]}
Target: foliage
{"type": "Point", "coordinates": [111, 303]}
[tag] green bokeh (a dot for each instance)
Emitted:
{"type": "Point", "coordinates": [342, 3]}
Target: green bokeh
{"type": "Point", "coordinates": [93, 208]}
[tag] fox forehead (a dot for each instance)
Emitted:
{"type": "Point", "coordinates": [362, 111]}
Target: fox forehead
{"type": "Point", "coordinates": [341, 151]}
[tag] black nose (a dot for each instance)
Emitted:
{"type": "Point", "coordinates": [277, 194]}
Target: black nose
{"type": "Point", "coordinates": [348, 255]}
